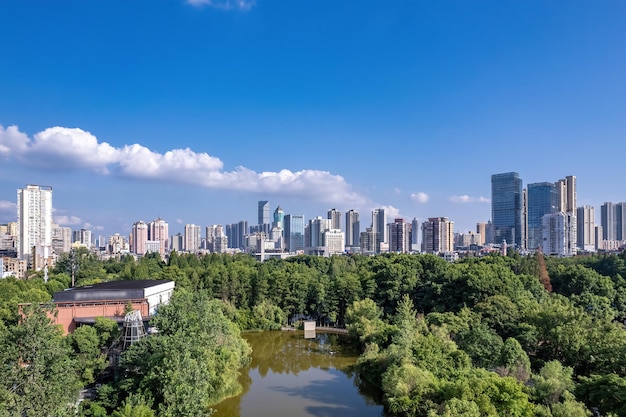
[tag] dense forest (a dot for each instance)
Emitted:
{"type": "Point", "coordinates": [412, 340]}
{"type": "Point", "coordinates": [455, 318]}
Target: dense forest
{"type": "Point", "coordinates": [492, 336]}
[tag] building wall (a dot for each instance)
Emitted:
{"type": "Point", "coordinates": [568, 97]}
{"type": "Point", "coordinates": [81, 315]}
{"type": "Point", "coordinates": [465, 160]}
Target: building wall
{"type": "Point", "coordinates": [68, 311]}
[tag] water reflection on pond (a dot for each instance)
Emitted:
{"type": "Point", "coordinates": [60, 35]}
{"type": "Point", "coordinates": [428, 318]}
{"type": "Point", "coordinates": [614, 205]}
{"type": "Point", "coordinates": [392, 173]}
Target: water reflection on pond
{"type": "Point", "coordinates": [290, 376]}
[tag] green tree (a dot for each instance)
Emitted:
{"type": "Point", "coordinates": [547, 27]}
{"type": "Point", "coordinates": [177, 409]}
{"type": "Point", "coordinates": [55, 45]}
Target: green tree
{"type": "Point", "coordinates": [37, 372]}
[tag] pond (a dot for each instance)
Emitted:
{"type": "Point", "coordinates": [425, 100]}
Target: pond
{"type": "Point", "coordinates": [290, 376]}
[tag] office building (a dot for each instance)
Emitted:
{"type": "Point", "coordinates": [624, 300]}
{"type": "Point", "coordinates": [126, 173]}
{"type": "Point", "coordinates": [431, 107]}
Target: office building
{"type": "Point", "coordinates": [379, 227]}
{"type": "Point", "coordinates": [437, 235]}
{"type": "Point", "coordinates": [34, 219]}
{"type": "Point", "coordinates": [367, 241]}
{"type": "Point", "coordinates": [294, 232]}
{"type": "Point", "coordinates": [264, 216]}
{"type": "Point", "coordinates": [543, 198]}
{"type": "Point", "coordinates": [506, 208]}
{"type": "Point", "coordinates": [353, 228]}
{"type": "Point", "coordinates": [585, 228]}
{"type": "Point", "coordinates": [415, 233]}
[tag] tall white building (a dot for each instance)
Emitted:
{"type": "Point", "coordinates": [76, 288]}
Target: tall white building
{"type": "Point", "coordinates": [34, 218]}
{"type": "Point", "coordinates": [192, 237]}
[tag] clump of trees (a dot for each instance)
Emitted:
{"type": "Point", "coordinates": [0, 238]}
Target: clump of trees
{"type": "Point", "coordinates": [497, 335]}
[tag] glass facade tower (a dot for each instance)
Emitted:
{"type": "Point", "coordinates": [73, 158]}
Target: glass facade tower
{"type": "Point", "coordinates": [543, 198]}
{"type": "Point", "coordinates": [506, 208]}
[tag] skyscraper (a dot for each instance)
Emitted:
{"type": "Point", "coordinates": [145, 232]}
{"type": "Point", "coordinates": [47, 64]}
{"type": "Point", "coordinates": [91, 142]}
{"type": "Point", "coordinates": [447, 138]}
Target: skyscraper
{"type": "Point", "coordinates": [400, 236]}
{"type": "Point", "coordinates": [353, 228]}
{"type": "Point", "coordinates": [158, 230]}
{"type": "Point", "coordinates": [437, 235]}
{"type": "Point", "coordinates": [557, 233]}
{"type": "Point", "coordinates": [139, 237]}
{"type": "Point", "coordinates": [543, 198]}
{"type": "Point", "coordinates": [379, 227]}
{"type": "Point", "coordinates": [506, 208]}
{"type": "Point", "coordinates": [34, 218]}
{"type": "Point", "coordinates": [585, 228]}
{"type": "Point", "coordinates": [294, 232]}
{"type": "Point", "coordinates": [613, 221]}
{"type": "Point", "coordinates": [279, 216]}
{"type": "Point", "coordinates": [608, 221]}
{"type": "Point", "coordinates": [335, 218]}
{"type": "Point", "coordinates": [415, 233]}
{"type": "Point", "coordinates": [264, 212]}
{"type": "Point", "coordinates": [192, 237]}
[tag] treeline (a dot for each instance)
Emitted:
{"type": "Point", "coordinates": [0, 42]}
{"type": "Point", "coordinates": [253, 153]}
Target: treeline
{"type": "Point", "coordinates": [491, 336]}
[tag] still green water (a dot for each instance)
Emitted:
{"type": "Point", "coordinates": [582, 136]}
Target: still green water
{"type": "Point", "coordinates": [290, 376]}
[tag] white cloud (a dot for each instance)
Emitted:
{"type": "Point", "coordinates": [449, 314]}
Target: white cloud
{"type": "Point", "coordinates": [419, 197]}
{"type": "Point", "coordinates": [12, 141]}
{"type": "Point", "coordinates": [64, 220]}
{"type": "Point", "coordinates": [224, 4]}
{"type": "Point", "coordinates": [89, 226]}
{"type": "Point", "coordinates": [467, 199]}
{"type": "Point", "coordinates": [73, 148]}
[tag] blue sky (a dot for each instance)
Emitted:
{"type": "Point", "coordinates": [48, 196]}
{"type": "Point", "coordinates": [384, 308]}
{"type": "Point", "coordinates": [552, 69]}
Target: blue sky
{"type": "Point", "coordinates": [195, 110]}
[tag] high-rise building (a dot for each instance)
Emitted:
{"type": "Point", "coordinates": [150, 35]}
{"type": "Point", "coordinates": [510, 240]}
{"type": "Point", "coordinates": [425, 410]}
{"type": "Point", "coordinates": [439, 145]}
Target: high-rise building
{"type": "Point", "coordinates": [566, 189]}
{"type": "Point", "coordinates": [34, 218]}
{"type": "Point", "coordinates": [192, 238]}
{"type": "Point", "coordinates": [557, 230]}
{"type": "Point", "coordinates": [334, 216]}
{"type": "Point", "coordinates": [613, 221]}
{"type": "Point", "coordinates": [264, 213]}
{"type": "Point", "coordinates": [379, 227]}
{"type": "Point", "coordinates": [400, 236]}
{"type": "Point", "coordinates": [317, 227]}
{"type": "Point", "coordinates": [506, 208]}
{"type": "Point", "coordinates": [294, 232]}
{"type": "Point", "coordinates": [353, 228]}
{"type": "Point", "coordinates": [608, 221]}
{"type": "Point", "coordinates": [415, 233]}
{"type": "Point", "coordinates": [159, 230]}
{"type": "Point", "coordinates": [82, 237]}
{"type": "Point", "coordinates": [585, 228]}
{"type": "Point", "coordinates": [177, 242]}
{"type": "Point", "coordinates": [437, 235]}
{"type": "Point", "coordinates": [620, 218]}
{"type": "Point", "coordinates": [139, 238]}
{"type": "Point", "coordinates": [61, 239]}
{"type": "Point", "coordinates": [279, 218]}
{"type": "Point", "coordinates": [543, 198]}
{"type": "Point", "coordinates": [367, 241]}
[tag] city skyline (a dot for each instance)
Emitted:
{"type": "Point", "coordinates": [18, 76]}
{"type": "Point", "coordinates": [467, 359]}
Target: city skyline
{"type": "Point", "coordinates": [409, 107]}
